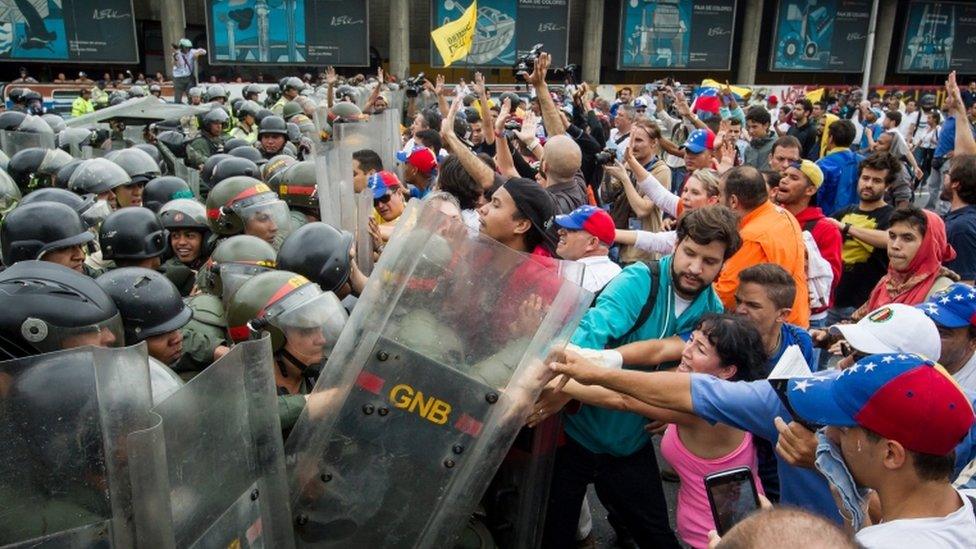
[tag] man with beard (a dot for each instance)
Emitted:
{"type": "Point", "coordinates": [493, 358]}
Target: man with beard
{"type": "Point", "coordinates": [960, 192]}
{"type": "Point", "coordinates": [610, 448]}
{"type": "Point", "coordinates": [864, 229]}
{"type": "Point", "coordinates": [769, 235]}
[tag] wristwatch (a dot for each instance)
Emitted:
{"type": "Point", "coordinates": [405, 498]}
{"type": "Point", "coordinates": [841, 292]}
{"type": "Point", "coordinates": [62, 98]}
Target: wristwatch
{"type": "Point", "coordinates": [845, 230]}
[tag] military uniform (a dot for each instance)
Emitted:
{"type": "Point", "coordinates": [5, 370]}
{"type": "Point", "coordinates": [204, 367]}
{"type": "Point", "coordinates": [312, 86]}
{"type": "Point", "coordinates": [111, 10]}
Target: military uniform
{"type": "Point", "coordinates": [279, 107]}
{"type": "Point", "coordinates": [203, 147]}
{"type": "Point", "coordinates": [206, 331]}
{"type": "Point", "coordinates": [242, 131]}
{"type": "Point", "coordinates": [183, 277]}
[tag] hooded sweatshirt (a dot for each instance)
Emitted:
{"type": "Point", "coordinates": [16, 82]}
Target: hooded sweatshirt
{"type": "Point", "coordinates": [757, 154]}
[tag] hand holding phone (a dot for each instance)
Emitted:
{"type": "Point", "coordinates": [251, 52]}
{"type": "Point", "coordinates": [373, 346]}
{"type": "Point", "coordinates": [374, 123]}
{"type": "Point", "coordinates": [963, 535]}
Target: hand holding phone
{"type": "Point", "coordinates": [732, 495]}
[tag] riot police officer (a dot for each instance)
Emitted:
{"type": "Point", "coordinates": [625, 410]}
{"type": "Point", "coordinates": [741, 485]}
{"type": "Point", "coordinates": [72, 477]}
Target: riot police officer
{"type": "Point", "coordinates": [189, 239]}
{"type": "Point", "coordinates": [35, 167]}
{"type": "Point", "coordinates": [163, 189]}
{"type": "Point", "coordinates": [272, 136]}
{"type": "Point", "coordinates": [48, 231]}
{"type": "Point", "coordinates": [324, 255]}
{"type": "Point", "coordinates": [132, 237]}
{"type": "Point", "coordinates": [152, 310]}
{"type": "Point", "coordinates": [211, 140]}
{"type": "Point", "coordinates": [245, 205]}
{"type": "Point", "coordinates": [304, 323]}
{"type": "Point", "coordinates": [140, 168]}
{"type": "Point", "coordinates": [100, 177]}
{"type": "Point", "coordinates": [246, 128]}
{"type": "Point", "coordinates": [297, 187]}
{"type": "Point", "coordinates": [291, 87]}
{"type": "Point", "coordinates": [252, 92]}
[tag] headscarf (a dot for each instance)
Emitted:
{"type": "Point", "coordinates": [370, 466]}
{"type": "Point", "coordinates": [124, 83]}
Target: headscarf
{"type": "Point", "coordinates": [913, 285]}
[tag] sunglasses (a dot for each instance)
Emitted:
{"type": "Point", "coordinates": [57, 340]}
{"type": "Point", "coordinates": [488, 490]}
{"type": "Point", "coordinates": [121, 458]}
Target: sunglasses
{"type": "Point", "coordinates": [382, 200]}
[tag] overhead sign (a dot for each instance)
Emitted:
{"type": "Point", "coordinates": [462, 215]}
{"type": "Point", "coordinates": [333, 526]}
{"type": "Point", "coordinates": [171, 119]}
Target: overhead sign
{"type": "Point", "coordinates": [939, 37]}
{"type": "Point", "coordinates": [676, 35]}
{"type": "Point", "coordinates": [506, 29]}
{"type": "Point", "coordinates": [826, 36]}
{"type": "Point", "coordinates": [72, 31]}
{"type": "Point", "coordinates": [290, 32]}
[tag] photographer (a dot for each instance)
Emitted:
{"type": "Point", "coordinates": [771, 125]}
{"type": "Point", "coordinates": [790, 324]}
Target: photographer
{"type": "Point", "coordinates": [184, 67]}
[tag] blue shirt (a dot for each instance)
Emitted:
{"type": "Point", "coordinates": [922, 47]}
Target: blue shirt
{"type": "Point", "coordinates": [947, 137]}
{"type": "Point", "coordinates": [791, 334]}
{"type": "Point", "coordinates": [751, 406]}
{"type": "Point", "coordinates": [875, 130]}
{"type": "Point", "coordinates": [961, 230]}
{"type": "Point", "coordinates": [603, 431]}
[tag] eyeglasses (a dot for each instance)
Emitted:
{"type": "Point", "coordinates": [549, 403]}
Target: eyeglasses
{"type": "Point", "coordinates": [383, 199]}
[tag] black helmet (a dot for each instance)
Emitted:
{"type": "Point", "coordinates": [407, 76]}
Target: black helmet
{"type": "Point", "coordinates": [137, 91]}
{"type": "Point", "coordinates": [34, 124]}
{"type": "Point", "coordinates": [216, 116]}
{"type": "Point", "coordinates": [138, 164]}
{"type": "Point", "coordinates": [252, 90]}
{"type": "Point", "coordinates": [262, 114]}
{"type": "Point", "coordinates": [24, 164]}
{"type": "Point", "coordinates": [148, 302]}
{"type": "Point", "coordinates": [151, 150]}
{"type": "Point", "coordinates": [294, 133]}
{"type": "Point", "coordinates": [54, 121]}
{"type": "Point", "coordinates": [161, 190]}
{"type": "Point", "coordinates": [206, 171]}
{"type": "Point", "coordinates": [10, 120]}
{"type": "Point", "coordinates": [117, 97]}
{"type": "Point", "coordinates": [236, 103]}
{"type": "Point", "coordinates": [320, 252]}
{"type": "Point", "coordinates": [233, 166]}
{"type": "Point", "coordinates": [174, 141]}
{"type": "Point", "coordinates": [44, 306]}
{"type": "Point", "coordinates": [64, 174]}
{"type": "Point", "coordinates": [29, 231]}
{"type": "Point", "coordinates": [16, 95]}
{"type": "Point", "coordinates": [273, 91]}
{"type": "Point", "coordinates": [78, 137]}
{"type": "Point", "coordinates": [215, 91]}
{"type": "Point", "coordinates": [92, 212]}
{"type": "Point", "coordinates": [248, 108]}
{"type": "Point", "coordinates": [250, 153]}
{"type": "Point", "coordinates": [132, 233]}
{"type": "Point", "coordinates": [292, 83]}
{"type": "Point", "coordinates": [235, 142]}
{"type": "Point", "coordinates": [273, 125]}
{"type": "Point", "coordinates": [97, 176]}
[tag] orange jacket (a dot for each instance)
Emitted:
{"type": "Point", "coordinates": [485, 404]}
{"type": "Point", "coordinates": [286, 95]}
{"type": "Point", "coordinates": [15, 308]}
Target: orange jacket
{"type": "Point", "coordinates": [770, 234]}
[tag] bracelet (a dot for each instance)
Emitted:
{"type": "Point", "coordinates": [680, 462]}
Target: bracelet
{"type": "Point", "coordinates": [531, 145]}
{"type": "Point", "coordinates": [845, 230]}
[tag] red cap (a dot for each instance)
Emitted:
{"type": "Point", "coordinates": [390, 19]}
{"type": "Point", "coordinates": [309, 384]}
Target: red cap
{"type": "Point", "coordinates": [421, 158]}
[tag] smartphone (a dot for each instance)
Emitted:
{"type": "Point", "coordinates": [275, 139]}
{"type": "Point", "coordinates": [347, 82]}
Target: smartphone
{"type": "Point", "coordinates": [732, 495]}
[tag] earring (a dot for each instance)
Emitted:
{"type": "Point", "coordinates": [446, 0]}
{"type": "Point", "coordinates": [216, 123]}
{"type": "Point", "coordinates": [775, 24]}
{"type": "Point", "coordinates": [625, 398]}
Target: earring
{"type": "Point", "coordinates": [859, 446]}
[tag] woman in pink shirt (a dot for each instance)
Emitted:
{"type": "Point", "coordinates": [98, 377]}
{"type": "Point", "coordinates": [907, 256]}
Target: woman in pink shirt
{"type": "Point", "coordinates": [725, 346]}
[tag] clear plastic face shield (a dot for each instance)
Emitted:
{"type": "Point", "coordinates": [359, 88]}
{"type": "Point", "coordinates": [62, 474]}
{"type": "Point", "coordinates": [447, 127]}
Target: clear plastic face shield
{"type": "Point", "coordinates": [47, 337]}
{"type": "Point", "coordinates": [311, 321]}
{"type": "Point", "coordinates": [264, 216]}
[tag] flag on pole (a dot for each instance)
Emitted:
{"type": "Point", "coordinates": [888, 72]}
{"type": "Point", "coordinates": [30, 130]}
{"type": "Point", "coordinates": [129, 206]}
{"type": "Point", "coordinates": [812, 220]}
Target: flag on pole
{"type": "Point", "coordinates": [453, 40]}
{"type": "Point", "coordinates": [815, 95]}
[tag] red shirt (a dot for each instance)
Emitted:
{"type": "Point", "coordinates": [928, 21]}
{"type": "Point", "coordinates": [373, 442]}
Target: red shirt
{"type": "Point", "coordinates": [829, 242]}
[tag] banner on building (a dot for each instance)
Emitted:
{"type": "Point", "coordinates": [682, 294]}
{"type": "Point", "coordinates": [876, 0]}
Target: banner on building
{"type": "Point", "coordinates": [823, 36]}
{"type": "Point", "coordinates": [68, 31]}
{"type": "Point", "coordinates": [290, 32]}
{"type": "Point", "coordinates": [506, 29]}
{"type": "Point", "coordinates": [676, 35]}
{"type": "Point", "coordinates": [939, 37]}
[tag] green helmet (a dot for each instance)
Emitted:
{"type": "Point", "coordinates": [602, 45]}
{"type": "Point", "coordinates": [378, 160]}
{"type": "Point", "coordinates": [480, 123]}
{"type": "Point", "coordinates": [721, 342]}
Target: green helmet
{"type": "Point", "coordinates": [345, 112]}
{"type": "Point", "coordinates": [297, 187]}
{"type": "Point", "coordinates": [234, 261]}
{"type": "Point", "coordinates": [242, 204]}
{"type": "Point", "coordinates": [9, 194]}
{"type": "Point", "coordinates": [273, 169]}
{"type": "Point", "coordinates": [286, 304]}
{"type": "Point", "coordinates": [290, 109]}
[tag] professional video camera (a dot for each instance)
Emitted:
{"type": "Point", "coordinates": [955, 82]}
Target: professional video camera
{"type": "Point", "coordinates": [526, 64]}
{"type": "Point", "coordinates": [412, 86]}
{"type": "Point", "coordinates": [605, 157]}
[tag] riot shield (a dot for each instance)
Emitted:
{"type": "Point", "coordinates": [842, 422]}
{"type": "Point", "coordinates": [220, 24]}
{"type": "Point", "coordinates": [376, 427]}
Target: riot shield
{"type": "Point", "coordinates": [216, 456]}
{"type": "Point", "coordinates": [64, 469]}
{"type": "Point", "coordinates": [390, 140]}
{"type": "Point", "coordinates": [12, 142]}
{"type": "Point", "coordinates": [137, 112]}
{"type": "Point", "coordinates": [426, 388]}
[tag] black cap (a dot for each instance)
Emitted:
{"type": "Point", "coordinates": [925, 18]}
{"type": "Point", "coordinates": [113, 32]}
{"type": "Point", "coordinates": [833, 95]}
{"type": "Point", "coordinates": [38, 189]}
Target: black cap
{"type": "Point", "coordinates": [535, 203]}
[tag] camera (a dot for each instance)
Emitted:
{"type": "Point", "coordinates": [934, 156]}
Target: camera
{"type": "Point", "coordinates": [605, 157]}
{"type": "Point", "coordinates": [412, 86]}
{"type": "Point", "coordinates": [526, 64]}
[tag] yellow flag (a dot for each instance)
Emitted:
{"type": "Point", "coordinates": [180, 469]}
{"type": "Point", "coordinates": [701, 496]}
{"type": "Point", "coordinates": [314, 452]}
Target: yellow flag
{"type": "Point", "coordinates": [815, 95]}
{"type": "Point", "coordinates": [453, 40]}
{"type": "Point", "coordinates": [741, 91]}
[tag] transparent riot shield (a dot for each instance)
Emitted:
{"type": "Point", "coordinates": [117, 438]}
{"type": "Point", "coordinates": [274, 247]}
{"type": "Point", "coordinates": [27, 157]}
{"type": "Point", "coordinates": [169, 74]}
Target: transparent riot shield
{"type": "Point", "coordinates": [190, 175]}
{"type": "Point", "coordinates": [427, 387]}
{"type": "Point", "coordinates": [64, 468]}
{"type": "Point", "coordinates": [13, 142]}
{"type": "Point", "coordinates": [216, 456]}
{"type": "Point", "coordinates": [389, 141]}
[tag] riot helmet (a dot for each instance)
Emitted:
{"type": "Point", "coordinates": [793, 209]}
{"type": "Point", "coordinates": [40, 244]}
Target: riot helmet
{"type": "Point", "coordinates": [235, 142]}
{"type": "Point", "coordinates": [48, 307]}
{"type": "Point", "coordinates": [297, 187]}
{"type": "Point", "coordinates": [234, 166]}
{"type": "Point", "coordinates": [273, 92]}
{"type": "Point", "coordinates": [33, 230]}
{"type": "Point", "coordinates": [216, 91]}
{"type": "Point", "coordinates": [184, 214]}
{"type": "Point", "coordinates": [294, 133]}
{"type": "Point", "coordinates": [243, 204]}
{"type": "Point", "coordinates": [271, 172]}
{"type": "Point", "coordinates": [161, 190]}
{"type": "Point", "coordinates": [137, 91]}
{"type": "Point", "coordinates": [248, 108]}
{"type": "Point", "coordinates": [195, 91]}
{"type": "Point", "coordinates": [91, 210]}
{"type": "Point", "coordinates": [64, 174]}
{"type": "Point", "coordinates": [117, 98]}
{"type": "Point", "coordinates": [272, 125]}
{"type": "Point", "coordinates": [290, 109]}
{"type": "Point", "coordinates": [249, 153]}
{"type": "Point", "coordinates": [10, 120]}
{"type": "Point", "coordinates": [206, 171]}
{"type": "Point", "coordinates": [233, 261]}
{"type": "Point", "coordinates": [152, 151]}
{"type": "Point", "coordinates": [34, 124]}
{"type": "Point", "coordinates": [10, 194]}
{"type": "Point", "coordinates": [293, 310]}
{"type": "Point", "coordinates": [150, 305]}
{"type": "Point", "coordinates": [319, 252]}
{"type": "Point", "coordinates": [261, 115]}
{"type": "Point", "coordinates": [292, 83]}
{"type": "Point", "coordinates": [138, 164]}
{"type": "Point", "coordinates": [252, 92]}
{"type": "Point", "coordinates": [132, 233]}
{"type": "Point", "coordinates": [175, 142]}
{"type": "Point", "coordinates": [235, 104]}
{"type": "Point", "coordinates": [78, 137]}
{"type": "Point", "coordinates": [55, 122]}
{"type": "Point", "coordinates": [98, 176]}
{"type": "Point", "coordinates": [345, 112]}
{"type": "Point", "coordinates": [215, 116]}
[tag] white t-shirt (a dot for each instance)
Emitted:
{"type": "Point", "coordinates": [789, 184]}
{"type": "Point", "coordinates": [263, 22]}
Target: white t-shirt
{"type": "Point", "coordinates": [966, 376]}
{"type": "Point", "coordinates": [680, 305]}
{"type": "Point", "coordinates": [599, 271]}
{"type": "Point", "coordinates": [956, 530]}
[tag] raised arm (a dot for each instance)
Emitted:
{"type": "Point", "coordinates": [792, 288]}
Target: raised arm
{"type": "Point", "coordinates": [537, 79]}
{"type": "Point", "coordinates": [965, 143]}
{"type": "Point", "coordinates": [477, 169]}
{"type": "Point", "coordinates": [487, 123]}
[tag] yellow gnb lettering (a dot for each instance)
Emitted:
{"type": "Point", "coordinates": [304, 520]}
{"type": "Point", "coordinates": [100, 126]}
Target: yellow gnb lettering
{"type": "Point", "coordinates": [431, 408]}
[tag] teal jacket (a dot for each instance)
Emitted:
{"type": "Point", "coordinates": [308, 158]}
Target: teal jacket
{"type": "Point", "coordinates": [604, 431]}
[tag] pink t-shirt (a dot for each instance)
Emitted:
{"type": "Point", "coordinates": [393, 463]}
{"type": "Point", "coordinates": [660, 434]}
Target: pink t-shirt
{"type": "Point", "coordinates": [694, 516]}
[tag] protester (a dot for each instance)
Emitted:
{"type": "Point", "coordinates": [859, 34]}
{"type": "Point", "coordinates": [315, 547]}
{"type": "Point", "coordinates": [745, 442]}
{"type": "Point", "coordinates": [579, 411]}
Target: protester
{"type": "Point", "coordinates": [960, 193]}
{"type": "Point", "coordinates": [585, 236]}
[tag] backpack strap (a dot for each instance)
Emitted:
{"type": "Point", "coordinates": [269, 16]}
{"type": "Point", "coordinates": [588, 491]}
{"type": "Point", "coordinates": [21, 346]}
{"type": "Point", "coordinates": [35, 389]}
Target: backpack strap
{"type": "Point", "coordinates": [645, 312]}
{"type": "Point", "coordinates": [972, 501]}
{"type": "Point", "coordinates": [809, 225]}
